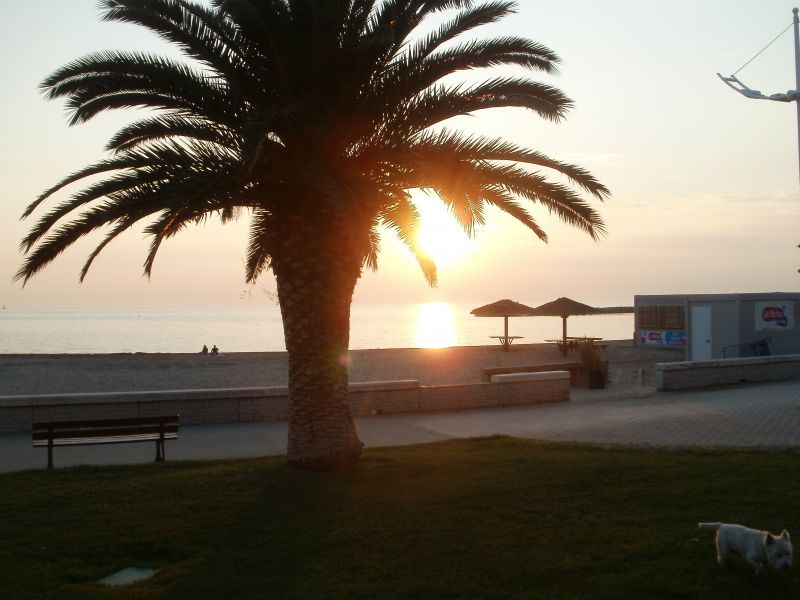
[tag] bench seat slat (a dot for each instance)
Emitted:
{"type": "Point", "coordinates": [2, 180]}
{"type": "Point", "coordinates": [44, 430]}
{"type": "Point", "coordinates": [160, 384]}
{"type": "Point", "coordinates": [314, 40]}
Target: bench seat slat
{"type": "Point", "coordinates": [91, 441]}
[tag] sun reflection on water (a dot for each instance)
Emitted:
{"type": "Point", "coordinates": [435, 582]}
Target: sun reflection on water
{"type": "Point", "coordinates": [435, 327]}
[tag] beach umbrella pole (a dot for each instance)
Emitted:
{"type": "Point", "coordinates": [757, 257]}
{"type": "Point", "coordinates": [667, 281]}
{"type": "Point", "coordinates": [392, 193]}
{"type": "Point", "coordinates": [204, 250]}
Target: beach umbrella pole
{"type": "Point", "coordinates": [503, 308]}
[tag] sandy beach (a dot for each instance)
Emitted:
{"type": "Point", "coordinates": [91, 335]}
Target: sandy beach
{"type": "Point", "coordinates": [24, 374]}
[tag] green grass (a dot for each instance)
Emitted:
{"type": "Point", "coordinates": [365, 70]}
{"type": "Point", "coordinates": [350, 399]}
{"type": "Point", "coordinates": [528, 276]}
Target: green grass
{"type": "Point", "coordinates": [482, 518]}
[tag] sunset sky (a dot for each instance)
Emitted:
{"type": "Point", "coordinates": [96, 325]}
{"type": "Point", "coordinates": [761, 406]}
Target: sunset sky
{"type": "Point", "coordinates": [704, 182]}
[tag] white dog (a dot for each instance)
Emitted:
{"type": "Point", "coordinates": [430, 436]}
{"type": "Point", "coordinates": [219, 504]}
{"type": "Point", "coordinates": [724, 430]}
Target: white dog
{"type": "Point", "coordinates": [759, 548]}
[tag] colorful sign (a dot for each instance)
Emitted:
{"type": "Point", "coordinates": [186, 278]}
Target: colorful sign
{"type": "Point", "coordinates": [662, 338]}
{"type": "Point", "coordinates": [651, 338]}
{"type": "Point", "coordinates": [675, 338]}
{"type": "Point", "coordinates": [774, 316]}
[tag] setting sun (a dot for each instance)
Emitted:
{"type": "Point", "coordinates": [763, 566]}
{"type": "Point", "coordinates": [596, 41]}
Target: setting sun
{"type": "Point", "coordinates": [435, 327]}
{"type": "Point", "coordinates": [440, 237]}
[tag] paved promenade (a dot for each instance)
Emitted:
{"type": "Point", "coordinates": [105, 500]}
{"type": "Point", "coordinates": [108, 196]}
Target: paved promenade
{"type": "Point", "coordinates": [758, 415]}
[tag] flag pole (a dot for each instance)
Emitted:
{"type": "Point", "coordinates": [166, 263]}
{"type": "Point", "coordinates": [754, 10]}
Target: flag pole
{"type": "Point", "coordinates": [796, 24]}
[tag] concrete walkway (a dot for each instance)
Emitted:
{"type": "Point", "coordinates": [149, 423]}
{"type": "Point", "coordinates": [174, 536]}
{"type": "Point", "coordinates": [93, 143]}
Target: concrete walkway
{"type": "Point", "coordinates": [760, 415]}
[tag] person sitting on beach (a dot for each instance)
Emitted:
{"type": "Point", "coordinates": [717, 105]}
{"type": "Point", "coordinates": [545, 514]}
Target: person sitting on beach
{"type": "Point", "coordinates": [204, 350]}
{"type": "Point", "coordinates": [214, 349]}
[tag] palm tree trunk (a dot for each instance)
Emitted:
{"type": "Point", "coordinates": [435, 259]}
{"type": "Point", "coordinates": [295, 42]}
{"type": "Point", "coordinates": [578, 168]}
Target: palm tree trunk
{"type": "Point", "coordinates": [315, 289]}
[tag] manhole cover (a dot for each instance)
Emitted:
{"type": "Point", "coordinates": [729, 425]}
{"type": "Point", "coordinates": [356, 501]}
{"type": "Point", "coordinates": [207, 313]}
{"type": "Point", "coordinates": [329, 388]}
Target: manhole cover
{"type": "Point", "coordinates": [127, 576]}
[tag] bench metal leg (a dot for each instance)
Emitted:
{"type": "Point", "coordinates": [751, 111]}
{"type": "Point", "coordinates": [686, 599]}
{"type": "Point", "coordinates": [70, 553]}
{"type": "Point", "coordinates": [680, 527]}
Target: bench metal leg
{"type": "Point", "coordinates": [50, 454]}
{"type": "Point", "coordinates": [159, 450]}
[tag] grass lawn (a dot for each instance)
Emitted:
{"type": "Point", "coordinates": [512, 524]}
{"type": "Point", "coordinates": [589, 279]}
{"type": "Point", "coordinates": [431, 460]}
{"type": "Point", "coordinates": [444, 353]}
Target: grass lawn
{"type": "Point", "coordinates": [483, 518]}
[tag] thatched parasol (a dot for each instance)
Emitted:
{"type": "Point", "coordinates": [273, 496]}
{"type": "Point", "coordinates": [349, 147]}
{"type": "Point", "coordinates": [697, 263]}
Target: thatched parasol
{"type": "Point", "coordinates": [565, 307]}
{"type": "Point", "coordinates": [504, 308]}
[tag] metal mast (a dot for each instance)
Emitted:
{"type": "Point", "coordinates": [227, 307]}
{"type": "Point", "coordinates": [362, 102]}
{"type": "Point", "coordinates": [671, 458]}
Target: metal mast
{"type": "Point", "coordinates": [791, 95]}
{"type": "Point", "coordinates": [796, 26]}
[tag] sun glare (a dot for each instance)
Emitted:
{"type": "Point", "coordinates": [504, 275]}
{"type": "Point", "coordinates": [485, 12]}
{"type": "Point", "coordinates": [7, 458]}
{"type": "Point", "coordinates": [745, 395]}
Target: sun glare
{"type": "Point", "coordinates": [435, 326]}
{"type": "Point", "coordinates": [440, 237]}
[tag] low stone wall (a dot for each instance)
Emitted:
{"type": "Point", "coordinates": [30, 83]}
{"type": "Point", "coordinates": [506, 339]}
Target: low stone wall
{"type": "Point", "coordinates": [572, 367]}
{"type": "Point", "coordinates": [550, 387]}
{"type": "Point", "coordinates": [579, 375]}
{"type": "Point", "coordinates": [687, 375]}
{"type": "Point", "coordinates": [243, 405]}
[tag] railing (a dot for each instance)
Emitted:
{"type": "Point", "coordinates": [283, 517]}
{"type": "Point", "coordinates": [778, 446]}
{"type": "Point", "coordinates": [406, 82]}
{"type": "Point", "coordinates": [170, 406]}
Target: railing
{"type": "Point", "coordinates": [760, 347]}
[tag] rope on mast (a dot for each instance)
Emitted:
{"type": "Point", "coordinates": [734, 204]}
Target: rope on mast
{"type": "Point", "coordinates": [762, 50]}
{"type": "Point", "coordinates": [735, 84]}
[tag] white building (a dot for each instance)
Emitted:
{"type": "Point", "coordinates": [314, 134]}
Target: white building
{"type": "Point", "coordinates": [710, 326]}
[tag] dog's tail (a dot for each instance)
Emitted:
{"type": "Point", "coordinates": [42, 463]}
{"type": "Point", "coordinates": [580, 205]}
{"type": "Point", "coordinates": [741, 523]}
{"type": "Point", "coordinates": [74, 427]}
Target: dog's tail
{"type": "Point", "coordinates": [713, 526]}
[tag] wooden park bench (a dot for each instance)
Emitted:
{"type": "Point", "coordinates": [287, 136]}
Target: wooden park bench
{"type": "Point", "coordinates": [106, 431]}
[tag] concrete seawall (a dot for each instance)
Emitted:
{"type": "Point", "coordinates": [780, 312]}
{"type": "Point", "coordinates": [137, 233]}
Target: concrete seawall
{"type": "Point", "coordinates": [247, 405]}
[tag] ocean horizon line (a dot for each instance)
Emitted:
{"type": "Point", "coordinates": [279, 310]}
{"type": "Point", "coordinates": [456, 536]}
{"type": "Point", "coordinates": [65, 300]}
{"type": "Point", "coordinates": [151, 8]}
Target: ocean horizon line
{"type": "Point", "coordinates": [275, 306]}
{"type": "Point", "coordinates": [250, 352]}
{"type": "Point", "coordinates": [260, 329]}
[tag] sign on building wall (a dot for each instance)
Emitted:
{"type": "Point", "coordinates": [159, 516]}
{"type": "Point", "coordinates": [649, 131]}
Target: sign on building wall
{"type": "Point", "coordinates": [662, 338]}
{"type": "Point", "coordinates": [774, 316]}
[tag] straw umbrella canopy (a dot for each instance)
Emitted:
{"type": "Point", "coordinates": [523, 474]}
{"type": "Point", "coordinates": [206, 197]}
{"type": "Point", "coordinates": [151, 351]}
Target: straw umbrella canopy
{"type": "Point", "coordinates": [564, 308]}
{"type": "Point", "coordinates": [504, 308]}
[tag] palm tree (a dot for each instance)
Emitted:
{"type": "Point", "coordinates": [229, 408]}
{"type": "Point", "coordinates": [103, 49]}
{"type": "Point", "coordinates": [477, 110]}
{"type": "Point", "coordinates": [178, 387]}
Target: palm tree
{"type": "Point", "coordinates": [316, 119]}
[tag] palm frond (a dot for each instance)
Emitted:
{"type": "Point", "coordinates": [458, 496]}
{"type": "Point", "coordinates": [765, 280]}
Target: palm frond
{"type": "Point", "coordinates": [505, 51]}
{"type": "Point", "coordinates": [108, 80]}
{"type": "Point", "coordinates": [63, 236]}
{"type": "Point", "coordinates": [114, 184]}
{"type": "Point", "coordinates": [122, 225]}
{"type": "Point", "coordinates": [258, 256]}
{"type": "Point", "coordinates": [440, 103]}
{"type": "Point", "coordinates": [170, 223]}
{"type": "Point", "coordinates": [201, 33]}
{"type": "Point", "coordinates": [499, 197]}
{"type": "Point", "coordinates": [172, 126]}
{"type": "Point", "coordinates": [355, 22]}
{"type": "Point", "coordinates": [403, 218]}
{"type": "Point", "coordinates": [127, 161]}
{"type": "Point", "coordinates": [371, 257]}
{"type": "Point", "coordinates": [462, 23]}
{"type": "Point", "coordinates": [454, 143]}
{"type": "Point", "coordinates": [500, 92]}
{"type": "Point", "coordinates": [556, 198]}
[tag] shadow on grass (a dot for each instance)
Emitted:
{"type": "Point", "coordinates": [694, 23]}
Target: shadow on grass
{"type": "Point", "coordinates": [491, 517]}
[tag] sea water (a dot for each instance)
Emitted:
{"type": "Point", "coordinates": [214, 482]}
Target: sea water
{"type": "Point", "coordinates": [87, 331]}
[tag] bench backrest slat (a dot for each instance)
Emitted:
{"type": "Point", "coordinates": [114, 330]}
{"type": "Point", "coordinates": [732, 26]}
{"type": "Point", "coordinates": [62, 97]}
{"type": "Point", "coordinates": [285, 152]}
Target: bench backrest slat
{"type": "Point", "coordinates": [157, 420]}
